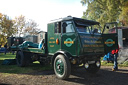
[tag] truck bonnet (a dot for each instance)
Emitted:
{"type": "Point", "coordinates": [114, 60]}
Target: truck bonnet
{"type": "Point", "coordinates": [91, 43]}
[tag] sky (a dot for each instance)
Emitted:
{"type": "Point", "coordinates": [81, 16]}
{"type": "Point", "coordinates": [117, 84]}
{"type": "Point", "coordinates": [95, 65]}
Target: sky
{"type": "Point", "coordinates": [42, 11]}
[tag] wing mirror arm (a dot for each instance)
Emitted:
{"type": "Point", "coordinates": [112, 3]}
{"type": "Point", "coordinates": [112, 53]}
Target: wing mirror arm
{"type": "Point", "coordinates": [104, 29]}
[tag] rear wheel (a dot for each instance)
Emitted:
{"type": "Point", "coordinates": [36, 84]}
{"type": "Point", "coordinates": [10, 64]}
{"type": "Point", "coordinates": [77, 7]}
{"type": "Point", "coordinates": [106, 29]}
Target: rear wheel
{"type": "Point", "coordinates": [93, 68]}
{"type": "Point", "coordinates": [22, 59]}
{"type": "Point", "coordinates": [62, 67]}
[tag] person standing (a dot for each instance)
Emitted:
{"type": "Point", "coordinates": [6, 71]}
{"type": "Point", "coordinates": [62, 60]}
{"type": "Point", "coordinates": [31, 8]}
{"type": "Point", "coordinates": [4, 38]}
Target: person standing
{"type": "Point", "coordinates": [5, 46]}
{"type": "Point", "coordinates": [115, 55]}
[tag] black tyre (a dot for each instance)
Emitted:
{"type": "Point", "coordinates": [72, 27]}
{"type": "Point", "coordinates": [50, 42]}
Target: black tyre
{"type": "Point", "coordinates": [93, 68]}
{"type": "Point", "coordinates": [22, 59]}
{"type": "Point", "coordinates": [62, 67]}
{"type": "Point", "coordinates": [42, 63]}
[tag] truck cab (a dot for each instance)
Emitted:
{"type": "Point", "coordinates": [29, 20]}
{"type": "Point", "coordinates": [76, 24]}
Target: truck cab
{"type": "Point", "coordinates": [76, 36]}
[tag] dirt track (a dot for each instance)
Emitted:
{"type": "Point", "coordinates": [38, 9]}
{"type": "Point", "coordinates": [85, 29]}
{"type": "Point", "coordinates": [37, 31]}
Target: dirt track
{"type": "Point", "coordinates": [79, 77]}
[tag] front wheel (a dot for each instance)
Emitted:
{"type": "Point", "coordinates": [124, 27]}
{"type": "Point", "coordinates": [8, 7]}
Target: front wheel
{"type": "Point", "coordinates": [62, 67]}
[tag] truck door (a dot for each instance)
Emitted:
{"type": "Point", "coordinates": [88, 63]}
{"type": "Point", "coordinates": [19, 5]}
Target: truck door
{"type": "Point", "coordinates": [110, 38]}
{"type": "Point", "coordinates": [110, 42]}
{"type": "Point", "coordinates": [69, 38]}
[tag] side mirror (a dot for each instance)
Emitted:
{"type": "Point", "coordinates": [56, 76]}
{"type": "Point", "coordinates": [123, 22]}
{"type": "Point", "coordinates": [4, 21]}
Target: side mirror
{"type": "Point", "coordinates": [64, 25]}
{"type": "Point", "coordinates": [107, 27]}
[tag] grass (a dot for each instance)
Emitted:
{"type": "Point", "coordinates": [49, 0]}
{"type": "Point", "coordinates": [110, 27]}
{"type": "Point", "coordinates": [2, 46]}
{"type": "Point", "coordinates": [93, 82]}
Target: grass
{"type": "Point", "coordinates": [105, 63]}
{"type": "Point", "coordinates": [7, 56]}
{"type": "Point", "coordinates": [35, 67]}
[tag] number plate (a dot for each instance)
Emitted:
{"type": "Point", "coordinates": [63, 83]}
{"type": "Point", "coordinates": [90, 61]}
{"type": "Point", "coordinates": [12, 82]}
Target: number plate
{"type": "Point", "coordinates": [91, 62]}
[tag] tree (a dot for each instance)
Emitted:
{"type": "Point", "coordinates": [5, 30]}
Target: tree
{"type": "Point", "coordinates": [6, 28]}
{"type": "Point", "coordinates": [31, 27]}
{"type": "Point", "coordinates": [25, 27]}
{"type": "Point", "coordinates": [1, 15]}
{"type": "Point", "coordinates": [124, 14]}
{"type": "Point", "coordinates": [104, 10]}
{"type": "Point", "coordinates": [18, 26]}
{"type": "Point", "coordinates": [20, 23]}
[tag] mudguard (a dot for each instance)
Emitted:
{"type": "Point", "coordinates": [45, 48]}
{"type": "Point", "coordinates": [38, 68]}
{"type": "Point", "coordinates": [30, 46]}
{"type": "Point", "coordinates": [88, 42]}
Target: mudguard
{"type": "Point", "coordinates": [66, 54]}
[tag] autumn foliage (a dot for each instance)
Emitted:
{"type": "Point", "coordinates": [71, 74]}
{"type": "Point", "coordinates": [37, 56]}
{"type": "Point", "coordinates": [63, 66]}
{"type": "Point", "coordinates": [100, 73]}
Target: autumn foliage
{"type": "Point", "coordinates": [106, 11]}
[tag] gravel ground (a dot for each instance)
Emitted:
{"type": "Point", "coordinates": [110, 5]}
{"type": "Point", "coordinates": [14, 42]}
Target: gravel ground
{"type": "Point", "coordinates": [79, 77]}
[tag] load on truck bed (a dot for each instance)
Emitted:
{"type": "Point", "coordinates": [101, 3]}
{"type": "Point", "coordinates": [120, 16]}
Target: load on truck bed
{"type": "Point", "coordinates": [69, 42]}
{"type": "Point", "coordinates": [28, 47]}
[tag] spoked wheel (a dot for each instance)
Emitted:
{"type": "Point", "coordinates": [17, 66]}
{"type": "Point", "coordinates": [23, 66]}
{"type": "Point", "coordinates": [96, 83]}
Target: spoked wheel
{"type": "Point", "coordinates": [93, 68]}
{"type": "Point", "coordinates": [62, 67]}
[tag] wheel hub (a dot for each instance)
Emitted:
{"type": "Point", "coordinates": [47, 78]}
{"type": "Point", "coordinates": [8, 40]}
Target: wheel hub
{"type": "Point", "coordinates": [59, 67]}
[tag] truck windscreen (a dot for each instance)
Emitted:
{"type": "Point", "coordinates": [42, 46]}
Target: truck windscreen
{"type": "Point", "coordinates": [87, 27]}
{"type": "Point", "coordinates": [92, 29]}
{"type": "Point", "coordinates": [82, 29]}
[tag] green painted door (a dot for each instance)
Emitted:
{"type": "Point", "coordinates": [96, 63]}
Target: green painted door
{"type": "Point", "coordinates": [69, 39]}
{"type": "Point", "coordinates": [110, 42]}
{"type": "Point", "coordinates": [69, 43]}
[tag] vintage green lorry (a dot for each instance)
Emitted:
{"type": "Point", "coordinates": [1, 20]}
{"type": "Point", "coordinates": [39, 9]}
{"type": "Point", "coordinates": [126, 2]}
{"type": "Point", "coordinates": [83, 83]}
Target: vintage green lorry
{"type": "Point", "coordinates": [69, 42]}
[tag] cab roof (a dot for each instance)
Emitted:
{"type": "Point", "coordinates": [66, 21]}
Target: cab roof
{"type": "Point", "coordinates": [89, 22]}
